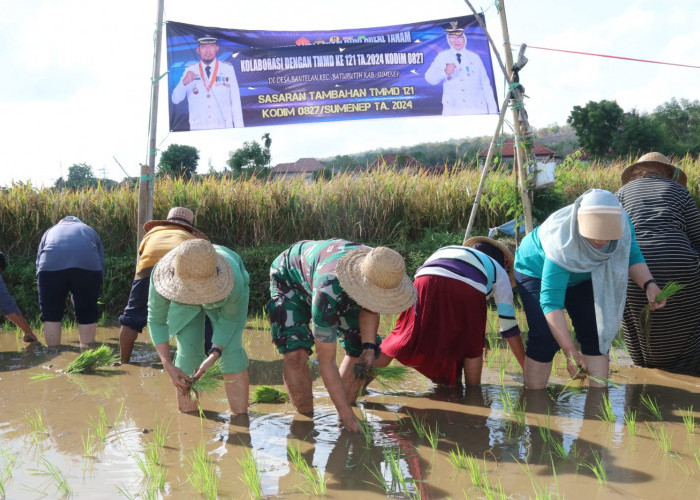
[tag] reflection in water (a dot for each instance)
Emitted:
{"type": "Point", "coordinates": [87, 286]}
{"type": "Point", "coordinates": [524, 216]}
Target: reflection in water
{"type": "Point", "coordinates": [520, 438]}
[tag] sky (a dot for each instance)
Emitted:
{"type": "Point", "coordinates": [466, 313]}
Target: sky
{"type": "Point", "coordinates": [76, 85]}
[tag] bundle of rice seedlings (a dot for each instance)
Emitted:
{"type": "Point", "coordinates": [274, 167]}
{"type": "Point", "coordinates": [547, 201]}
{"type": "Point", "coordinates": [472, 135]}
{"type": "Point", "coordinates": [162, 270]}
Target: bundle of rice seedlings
{"type": "Point", "coordinates": [388, 377]}
{"type": "Point", "coordinates": [210, 380]}
{"type": "Point", "coordinates": [669, 290]}
{"type": "Point", "coordinates": [90, 359]}
{"type": "Point", "coordinates": [268, 394]}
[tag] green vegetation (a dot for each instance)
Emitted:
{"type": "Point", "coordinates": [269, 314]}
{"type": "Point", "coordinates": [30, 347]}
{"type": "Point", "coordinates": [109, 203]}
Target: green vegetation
{"type": "Point", "coordinates": [314, 482]}
{"type": "Point", "coordinates": [91, 359]}
{"type": "Point", "coordinates": [210, 380]}
{"type": "Point", "coordinates": [269, 394]}
{"type": "Point", "coordinates": [251, 474]}
{"type": "Point", "coordinates": [203, 475]}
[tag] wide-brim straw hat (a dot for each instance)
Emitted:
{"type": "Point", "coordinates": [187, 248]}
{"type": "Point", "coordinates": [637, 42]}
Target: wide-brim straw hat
{"type": "Point", "coordinates": [507, 253]}
{"type": "Point", "coordinates": [376, 279]}
{"type": "Point", "coordinates": [193, 273]}
{"type": "Point", "coordinates": [180, 216]}
{"type": "Point", "coordinates": [659, 161]}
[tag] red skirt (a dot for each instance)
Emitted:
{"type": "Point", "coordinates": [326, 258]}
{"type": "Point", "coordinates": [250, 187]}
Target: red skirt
{"type": "Point", "coordinates": [446, 325]}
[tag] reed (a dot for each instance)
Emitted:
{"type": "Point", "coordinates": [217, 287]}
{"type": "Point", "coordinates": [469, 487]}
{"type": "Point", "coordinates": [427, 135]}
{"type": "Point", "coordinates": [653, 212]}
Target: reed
{"type": "Point", "coordinates": [251, 475]}
{"type": "Point", "coordinates": [314, 482]}
{"type": "Point", "coordinates": [688, 418]}
{"type": "Point", "coordinates": [203, 475]}
{"type": "Point", "coordinates": [91, 359]}
{"type": "Point", "coordinates": [631, 421]}
{"type": "Point", "coordinates": [652, 406]}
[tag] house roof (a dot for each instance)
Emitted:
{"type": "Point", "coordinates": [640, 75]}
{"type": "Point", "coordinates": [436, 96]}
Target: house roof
{"type": "Point", "coordinates": [507, 150]}
{"type": "Point", "coordinates": [301, 165]}
{"type": "Point", "coordinates": [400, 160]}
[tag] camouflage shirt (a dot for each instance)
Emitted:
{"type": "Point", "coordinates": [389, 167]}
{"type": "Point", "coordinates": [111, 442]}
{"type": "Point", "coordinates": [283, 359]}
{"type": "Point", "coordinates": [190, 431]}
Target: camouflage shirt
{"type": "Point", "coordinates": [307, 268]}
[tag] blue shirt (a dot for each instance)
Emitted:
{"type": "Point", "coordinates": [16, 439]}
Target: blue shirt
{"type": "Point", "coordinates": [70, 244]}
{"type": "Point", "coordinates": [7, 303]}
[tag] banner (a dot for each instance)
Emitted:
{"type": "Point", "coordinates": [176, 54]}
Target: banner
{"type": "Point", "coordinates": [223, 78]}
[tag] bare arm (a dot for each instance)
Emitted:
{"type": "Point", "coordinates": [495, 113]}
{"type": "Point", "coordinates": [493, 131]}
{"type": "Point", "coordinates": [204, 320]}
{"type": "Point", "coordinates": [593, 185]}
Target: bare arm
{"type": "Point", "coordinates": [560, 331]}
{"type": "Point", "coordinates": [325, 351]}
{"type": "Point", "coordinates": [18, 319]}
{"type": "Point", "coordinates": [640, 274]}
{"type": "Point", "coordinates": [516, 347]}
{"type": "Point", "coordinates": [179, 378]}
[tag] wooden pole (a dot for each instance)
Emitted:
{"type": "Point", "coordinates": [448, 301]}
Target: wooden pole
{"type": "Point", "coordinates": [145, 212]}
{"type": "Point", "coordinates": [515, 93]}
{"type": "Point", "coordinates": [484, 171]}
{"type": "Point", "coordinates": [522, 156]}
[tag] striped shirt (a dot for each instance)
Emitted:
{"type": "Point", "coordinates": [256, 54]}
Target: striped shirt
{"type": "Point", "coordinates": [667, 224]}
{"type": "Point", "coordinates": [479, 271]}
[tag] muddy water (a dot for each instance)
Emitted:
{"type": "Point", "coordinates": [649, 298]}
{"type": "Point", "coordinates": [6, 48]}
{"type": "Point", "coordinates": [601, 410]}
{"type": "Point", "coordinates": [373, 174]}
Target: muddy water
{"type": "Point", "coordinates": [545, 450]}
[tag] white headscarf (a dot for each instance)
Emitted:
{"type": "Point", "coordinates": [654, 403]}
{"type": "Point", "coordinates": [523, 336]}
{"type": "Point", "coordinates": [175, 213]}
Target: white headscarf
{"type": "Point", "coordinates": [609, 266]}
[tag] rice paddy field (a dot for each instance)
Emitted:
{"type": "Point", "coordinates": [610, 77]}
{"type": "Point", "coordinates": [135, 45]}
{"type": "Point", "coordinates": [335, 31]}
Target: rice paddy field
{"type": "Point", "coordinates": [116, 433]}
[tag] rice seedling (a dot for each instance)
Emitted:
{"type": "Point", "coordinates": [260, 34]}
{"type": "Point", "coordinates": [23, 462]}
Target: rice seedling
{"type": "Point", "coordinates": [388, 377]}
{"type": "Point", "coordinates": [418, 424]}
{"type": "Point", "coordinates": [99, 425]}
{"type": "Point", "coordinates": [631, 421]}
{"type": "Point", "coordinates": [493, 492]}
{"type": "Point", "coordinates": [89, 443]}
{"type": "Point", "coordinates": [42, 376]}
{"type": "Point", "coordinates": [597, 468]}
{"type": "Point", "coordinates": [154, 474]}
{"type": "Point", "coordinates": [696, 456]}
{"type": "Point", "coordinates": [651, 405]}
{"type": "Point", "coordinates": [366, 428]}
{"type": "Point", "coordinates": [541, 490]}
{"type": "Point", "coordinates": [458, 458]}
{"type": "Point", "coordinates": [36, 422]}
{"type": "Point", "coordinates": [251, 475]}
{"type": "Point", "coordinates": [315, 484]}
{"type": "Point", "coordinates": [269, 394]}
{"type": "Point", "coordinates": [433, 436]}
{"type": "Point", "coordinates": [546, 429]}
{"type": "Point", "coordinates": [91, 359]}
{"type": "Point", "coordinates": [121, 489]}
{"type": "Point", "coordinates": [661, 436]}
{"type": "Point", "coordinates": [55, 473]}
{"type": "Point", "coordinates": [210, 381]}
{"type": "Point", "coordinates": [203, 475]}
{"type": "Point", "coordinates": [513, 407]}
{"type": "Point", "coordinates": [688, 418]}
{"type": "Point", "coordinates": [160, 432]}
{"type": "Point", "coordinates": [606, 410]}
{"type": "Point", "coordinates": [474, 470]}
{"type": "Point", "coordinates": [118, 417]}
{"type": "Point", "coordinates": [669, 290]}
{"type": "Point", "coordinates": [561, 451]}
{"type": "Point", "coordinates": [399, 483]}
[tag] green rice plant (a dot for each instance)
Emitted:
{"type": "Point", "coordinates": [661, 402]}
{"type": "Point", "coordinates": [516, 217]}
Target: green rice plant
{"type": "Point", "coordinates": [546, 429]}
{"type": "Point", "coordinates": [696, 456]}
{"type": "Point", "coordinates": [493, 492]}
{"type": "Point", "coordinates": [89, 443]}
{"type": "Point", "coordinates": [36, 422]}
{"type": "Point", "coordinates": [559, 449]}
{"type": "Point", "coordinates": [251, 475]}
{"type": "Point", "coordinates": [458, 458]}
{"type": "Point", "coordinates": [433, 436]}
{"type": "Point", "coordinates": [203, 475]}
{"type": "Point", "coordinates": [474, 469]}
{"type": "Point", "coordinates": [42, 376]}
{"type": "Point", "coordinates": [366, 428]}
{"type": "Point", "coordinates": [210, 381]}
{"type": "Point", "coordinates": [55, 473]}
{"type": "Point", "coordinates": [388, 377]}
{"type": "Point", "coordinates": [541, 490]}
{"type": "Point", "coordinates": [606, 410]}
{"type": "Point", "coordinates": [631, 421]}
{"type": "Point", "coordinates": [669, 290]}
{"type": "Point", "coordinates": [418, 424]}
{"type": "Point", "coordinates": [269, 394]}
{"type": "Point", "coordinates": [91, 359]}
{"type": "Point", "coordinates": [399, 483]}
{"type": "Point", "coordinates": [118, 417]}
{"type": "Point", "coordinates": [153, 472]}
{"type": "Point", "coordinates": [688, 418]}
{"type": "Point", "coordinates": [597, 468]}
{"type": "Point", "coordinates": [99, 425]}
{"type": "Point", "coordinates": [513, 407]}
{"type": "Point", "coordinates": [661, 436]}
{"type": "Point", "coordinates": [160, 432]}
{"type": "Point", "coordinates": [315, 484]}
{"type": "Point", "coordinates": [651, 405]}
{"type": "Point", "coordinates": [122, 490]}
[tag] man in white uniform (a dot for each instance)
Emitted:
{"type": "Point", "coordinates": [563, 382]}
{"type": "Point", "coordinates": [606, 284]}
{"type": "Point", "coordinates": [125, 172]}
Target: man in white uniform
{"type": "Point", "coordinates": [466, 89]}
{"type": "Point", "coordinates": [210, 86]}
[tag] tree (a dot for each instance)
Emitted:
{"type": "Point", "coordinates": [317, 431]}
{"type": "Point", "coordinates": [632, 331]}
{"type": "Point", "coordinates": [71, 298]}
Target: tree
{"type": "Point", "coordinates": [680, 120]}
{"type": "Point", "coordinates": [79, 176]}
{"type": "Point", "coordinates": [596, 125]}
{"type": "Point", "coordinates": [638, 134]}
{"type": "Point", "coordinates": [250, 156]}
{"type": "Point", "coordinates": [179, 161]}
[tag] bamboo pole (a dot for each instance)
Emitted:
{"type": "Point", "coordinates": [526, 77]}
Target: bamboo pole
{"type": "Point", "coordinates": [145, 211]}
{"type": "Point", "coordinates": [514, 92]}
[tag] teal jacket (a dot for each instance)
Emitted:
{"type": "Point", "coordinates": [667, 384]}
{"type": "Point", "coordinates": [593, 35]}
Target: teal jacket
{"type": "Point", "coordinates": [167, 318]}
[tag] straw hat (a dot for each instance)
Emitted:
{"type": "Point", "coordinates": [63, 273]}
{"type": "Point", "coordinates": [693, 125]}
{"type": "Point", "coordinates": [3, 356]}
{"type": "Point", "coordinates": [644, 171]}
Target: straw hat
{"type": "Point", "coordinates": [193, 273]}
{"type": "Point", "coordinates": [180, 216]}
{"type": "Point", "coordinates": [600, 215]}
{"type": "Point", "coordinates": [662, 164]}
{"type": "Point", "coordinates": [482, 244]}
{"type": "Point", "coordinates": [376, 279]}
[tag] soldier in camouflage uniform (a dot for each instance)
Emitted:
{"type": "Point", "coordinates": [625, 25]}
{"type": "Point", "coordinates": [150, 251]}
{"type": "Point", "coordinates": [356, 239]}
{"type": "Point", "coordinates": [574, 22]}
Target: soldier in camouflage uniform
{"type": "Point", "coordinates": [340, 288]}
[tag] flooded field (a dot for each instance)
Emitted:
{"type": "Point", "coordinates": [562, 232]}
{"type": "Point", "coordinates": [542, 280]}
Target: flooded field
{"type": "Point", "coordinates": [119, 434]}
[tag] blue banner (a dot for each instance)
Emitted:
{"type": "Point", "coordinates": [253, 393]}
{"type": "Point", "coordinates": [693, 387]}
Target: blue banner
{"type": "Point", "coordinates": [223, 78]}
